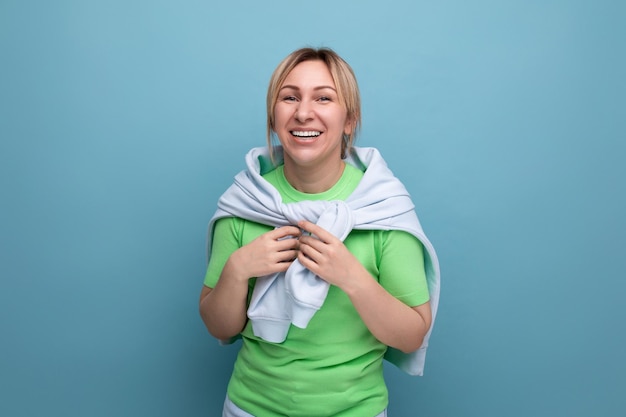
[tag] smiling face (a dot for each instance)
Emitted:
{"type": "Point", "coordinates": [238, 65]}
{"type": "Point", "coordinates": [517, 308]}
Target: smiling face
{"type": "Point", "coordinates": [309, 119]}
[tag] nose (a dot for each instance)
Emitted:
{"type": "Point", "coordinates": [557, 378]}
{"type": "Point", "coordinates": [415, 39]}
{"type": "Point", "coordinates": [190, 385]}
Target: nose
{"type": "Point", "coordinates": [303, 112]}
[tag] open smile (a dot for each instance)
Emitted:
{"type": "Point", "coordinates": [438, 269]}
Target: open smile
{"type": "Point", "coordinates": [305, 134]}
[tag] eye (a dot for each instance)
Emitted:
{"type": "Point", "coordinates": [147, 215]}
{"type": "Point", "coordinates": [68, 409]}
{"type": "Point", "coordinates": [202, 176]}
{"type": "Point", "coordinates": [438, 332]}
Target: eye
{"type": "Point", "coordinates": [324, 99]}
{"type": "Point", "coordinates": [289, 98]}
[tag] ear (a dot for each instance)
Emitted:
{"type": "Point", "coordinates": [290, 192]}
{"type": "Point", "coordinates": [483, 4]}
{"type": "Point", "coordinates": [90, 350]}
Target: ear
{"type": "Point", "coordinates": [349, 126]}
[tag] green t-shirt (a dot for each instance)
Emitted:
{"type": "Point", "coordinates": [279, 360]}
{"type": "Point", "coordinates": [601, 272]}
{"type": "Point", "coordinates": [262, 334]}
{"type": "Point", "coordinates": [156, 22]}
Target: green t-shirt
{"type": "Point", "coordinates": [334, 366]}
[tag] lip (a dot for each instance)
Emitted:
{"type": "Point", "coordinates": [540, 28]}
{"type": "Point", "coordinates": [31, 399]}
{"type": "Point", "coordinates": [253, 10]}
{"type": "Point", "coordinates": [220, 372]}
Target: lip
{"type": "Point", "coordinates": [305, 140]}
{"type": "Point", "coordinates": [305, 129]}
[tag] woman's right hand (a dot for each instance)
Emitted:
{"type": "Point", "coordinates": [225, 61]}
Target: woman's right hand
{"type": "Point", "coordinates": [223, 308]}
{"type": "Point", "coordinates": [269, 253]}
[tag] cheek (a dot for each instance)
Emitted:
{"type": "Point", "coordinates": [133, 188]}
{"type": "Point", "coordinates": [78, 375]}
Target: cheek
{"type": "Point", "coordinates": [281, 115]}
{"type": "Point", "coordinates": [339, 116]}
{"type": "Point", "coordinates": [340, 122]}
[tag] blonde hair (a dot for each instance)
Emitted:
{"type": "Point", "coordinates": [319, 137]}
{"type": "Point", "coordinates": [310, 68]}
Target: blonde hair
{"type": "Point", "coordinates": [343, 77]}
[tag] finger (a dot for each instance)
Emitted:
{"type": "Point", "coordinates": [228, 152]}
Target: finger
{"type": "Point", "coordinates": [308, 263]}
{"type": "Point", "coordinates": [313, 242]}
{"type": "Point", "coordinates": [310, 250]}
{"type": "Point", "coordinates": [282, 266]}
{"type": "Point", "coordinates": [316, 230]}
{"type": "Point", "coordinates": [284, 232]}
{"type": "Point", "coordinates": [287, 256]}
{"type": "Point", "coordinates": [287, 243]}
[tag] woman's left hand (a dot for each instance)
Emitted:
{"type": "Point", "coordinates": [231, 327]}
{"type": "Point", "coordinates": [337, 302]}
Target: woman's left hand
{"type": "Point", "coordinates": [327, 257]}
{"type": "Point", "coordinates": [389, 319]}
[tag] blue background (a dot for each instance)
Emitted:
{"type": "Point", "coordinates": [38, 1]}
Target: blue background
{"type": "Point", "coordinates": [121, 122]}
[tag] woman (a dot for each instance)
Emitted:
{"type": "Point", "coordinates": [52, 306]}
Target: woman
{"type": "Point", "coordinates": [319, 263]}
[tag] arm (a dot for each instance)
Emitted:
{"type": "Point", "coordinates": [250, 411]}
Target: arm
{"type": "Point", "coordinates": [389, 319]}
{"type": "Point", "coordinates": [223, 308]}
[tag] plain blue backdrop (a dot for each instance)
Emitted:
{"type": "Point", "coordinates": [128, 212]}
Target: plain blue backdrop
{"type": "Point", "coordinates": [121, 123]}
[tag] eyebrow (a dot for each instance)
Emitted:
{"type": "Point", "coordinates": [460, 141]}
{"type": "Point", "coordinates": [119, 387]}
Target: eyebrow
{"type": "Point", "coordinates": [321, 87]}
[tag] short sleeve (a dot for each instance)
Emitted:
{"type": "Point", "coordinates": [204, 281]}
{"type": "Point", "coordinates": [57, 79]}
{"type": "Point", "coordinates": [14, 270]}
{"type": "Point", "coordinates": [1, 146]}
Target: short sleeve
{"type": "Point", "coordinates": [401, 269]}
{"type": "Point", "coordinates": [226, 240]}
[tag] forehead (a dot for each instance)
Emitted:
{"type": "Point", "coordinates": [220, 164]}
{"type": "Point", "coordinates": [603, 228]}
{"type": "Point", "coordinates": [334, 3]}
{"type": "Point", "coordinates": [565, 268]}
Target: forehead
{"type": "Point", "coordinates": [309, 74]}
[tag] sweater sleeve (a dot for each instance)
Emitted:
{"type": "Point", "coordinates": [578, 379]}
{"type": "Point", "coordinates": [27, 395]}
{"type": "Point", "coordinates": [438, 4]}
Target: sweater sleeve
{"type": "Point", "coordinates": [401, 268]}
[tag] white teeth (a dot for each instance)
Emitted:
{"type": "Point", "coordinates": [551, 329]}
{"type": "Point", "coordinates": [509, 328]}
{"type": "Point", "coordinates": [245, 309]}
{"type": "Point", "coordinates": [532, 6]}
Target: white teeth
{"type": "Point", "coordinates": [306, 134]}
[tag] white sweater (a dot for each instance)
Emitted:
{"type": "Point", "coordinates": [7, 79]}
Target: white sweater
{"type": "Point", "coordinates": [380, 202]}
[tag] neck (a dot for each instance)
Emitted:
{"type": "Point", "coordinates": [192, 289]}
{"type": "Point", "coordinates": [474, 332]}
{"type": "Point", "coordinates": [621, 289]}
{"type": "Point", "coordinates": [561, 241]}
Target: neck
{"type": "Point", "coordinates": [314, 179]}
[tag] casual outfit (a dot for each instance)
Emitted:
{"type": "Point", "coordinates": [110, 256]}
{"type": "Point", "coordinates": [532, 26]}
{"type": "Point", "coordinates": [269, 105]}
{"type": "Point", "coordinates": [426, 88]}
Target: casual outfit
{"type": "Point", "coordinates": [306, 351]}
